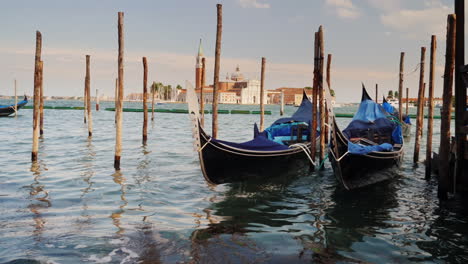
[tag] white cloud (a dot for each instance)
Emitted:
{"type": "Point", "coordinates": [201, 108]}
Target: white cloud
{"type": "Point", "coordinates": [344, 8]}
{"type": "Point", "coordinates": [385, 4]}
{"type": "Point", "coordinates": [429, 20]}
{"type": "Point", "coordinates": [253, 4]}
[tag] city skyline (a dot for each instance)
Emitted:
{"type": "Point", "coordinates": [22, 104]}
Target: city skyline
{"type": "Point", "coordinates": [365, 38]}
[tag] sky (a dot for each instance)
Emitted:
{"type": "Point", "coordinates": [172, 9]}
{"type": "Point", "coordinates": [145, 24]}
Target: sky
{"type": "Point", "coordinates": [365, 38]}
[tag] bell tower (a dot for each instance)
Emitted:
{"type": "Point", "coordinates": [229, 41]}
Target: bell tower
{"type": "Point", "coordinates": [199, 67]}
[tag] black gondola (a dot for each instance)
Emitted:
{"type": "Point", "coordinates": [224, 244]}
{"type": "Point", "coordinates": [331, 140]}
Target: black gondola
{"type": "Point", "coordinates": [6, 110]}
{"type": "Point", "coordinates": [365, 152]}
{"type": "Point", "coordinates": [261, 158]}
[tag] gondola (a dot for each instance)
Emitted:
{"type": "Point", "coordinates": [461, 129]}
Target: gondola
{"type": "Point", "coordinates": [282, 149]}
{"type": "Point", "coordinates": [6, 110]}
{"type": "Point", "coordinates": [405, 125]}
{"type": "Point", "coordinates": [368, 149]}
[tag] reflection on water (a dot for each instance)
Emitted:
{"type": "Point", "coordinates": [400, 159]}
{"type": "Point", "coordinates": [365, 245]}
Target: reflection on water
{"type": "Point", "coordinates": [116, 216]}
{"type": "Point", "coordinates": [72, 207]}
{"type": "Point", "coordinates": [39, 201]}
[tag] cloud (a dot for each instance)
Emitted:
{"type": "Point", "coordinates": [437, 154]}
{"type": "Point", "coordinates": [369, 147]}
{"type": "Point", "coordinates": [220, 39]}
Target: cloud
{"type": "Point", "coordinates": [253, 4]}
{"type": "Point", "coordinates": [344, 8]}
{"type": "Point", "coordinates": [418, 22]}
{"type": "Point", "coordinates": [385, 4]}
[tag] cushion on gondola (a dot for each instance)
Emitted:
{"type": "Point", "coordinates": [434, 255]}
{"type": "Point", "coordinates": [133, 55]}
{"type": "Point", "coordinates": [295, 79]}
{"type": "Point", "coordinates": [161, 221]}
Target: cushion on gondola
{"type": "Point", "coordinates": [359, 149]}
{"type": "Point", "coordinates": [260, 143]}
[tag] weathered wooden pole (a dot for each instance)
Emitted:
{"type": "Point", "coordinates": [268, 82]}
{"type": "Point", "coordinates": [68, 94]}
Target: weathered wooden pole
{"type": "Point", "coordinates": [16, 101]}
{"type": "Point", "coordinates": [262, 94]}
{"type": "Point", "coordinates": [202, 98]}
{"type": "Point", "coordinates": [400, 87]}
{"type": "Point", "coordinates": [461, 118]}
{"type": "Point", "coordinates": [313, 131]}
{"type": "Point", "coordinates": [85, 102]}
{"type": "Point", "coordinates": [41, 105]}
{"type": "Point", "coordinates": [407, 100]}
{"type": "Point", "coordinates": [153, 86]}
{"type": "Point", "coordinates": [329, 58]}
{"type": "Point", "coordinates": [321, 96]}
{"type": "Point", "coordinates": [97, 99]}
{"type": "Point", "coordinates": [430, 113]}
{"type": "Point", "coordinates": [37, 94]}
{"type": "Point", "coordinates": [88, 97]}
{"type": "Point", "coordinates": [444, 150]}
{"type": "Point", "coordinates": [420, 112]}
{"type": "Point", "coordinates": [377, 93]}
{"type": "Point", "coordinates": [145, 106]}
{"type": "Point", "coordinates": [116, 97]}
{"type": "Point", "coordinates": [118, 127]}
{"type": "Point", "coordinates": [282, 103]}
{"type": "Point", "coordinates": [219, 30]}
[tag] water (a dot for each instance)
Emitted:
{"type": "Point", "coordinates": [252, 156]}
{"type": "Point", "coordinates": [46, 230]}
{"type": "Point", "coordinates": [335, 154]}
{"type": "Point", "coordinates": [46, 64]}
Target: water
{"type": "Point", "coordinates": [73, 207]}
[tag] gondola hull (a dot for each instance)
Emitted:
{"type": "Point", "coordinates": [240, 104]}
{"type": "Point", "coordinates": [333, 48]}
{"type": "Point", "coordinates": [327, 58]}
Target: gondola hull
{"type": "Point", "coordinates": [355, 171]}
{"type": "Point", "coordinates": [9, 110]}
{"type": "Point", "coordinates": [224, 164]}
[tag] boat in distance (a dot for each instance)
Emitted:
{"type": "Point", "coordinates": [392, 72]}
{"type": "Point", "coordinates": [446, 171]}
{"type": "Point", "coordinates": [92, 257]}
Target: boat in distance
{"type": "Point", "coordinates": [6, 110]}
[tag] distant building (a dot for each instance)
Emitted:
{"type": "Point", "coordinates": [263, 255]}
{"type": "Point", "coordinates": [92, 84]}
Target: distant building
{"type": "Point", "coordinates": [292, 96]}
{"type": "Point", "coordinates": [235, 89]}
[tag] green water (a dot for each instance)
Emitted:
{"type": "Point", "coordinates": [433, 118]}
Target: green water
{"type": "Point", "coordinates": [74, 208]}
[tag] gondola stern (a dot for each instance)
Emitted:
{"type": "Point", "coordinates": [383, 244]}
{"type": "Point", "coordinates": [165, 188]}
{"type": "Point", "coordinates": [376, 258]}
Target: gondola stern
{"type": "Point", "coordinates": [365, 95]}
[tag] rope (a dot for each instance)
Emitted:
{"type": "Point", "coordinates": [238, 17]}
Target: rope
{"type": "Point", "coordinates": [306, 151]}
{"type": "Point", "coordinates": [204, 145]}
{"type": "Point", "coordinates": [413, 71]}
{"type": "Point", "coordinates": [323, 161]}
{"type": "Point", "coordinates": [394, 119]}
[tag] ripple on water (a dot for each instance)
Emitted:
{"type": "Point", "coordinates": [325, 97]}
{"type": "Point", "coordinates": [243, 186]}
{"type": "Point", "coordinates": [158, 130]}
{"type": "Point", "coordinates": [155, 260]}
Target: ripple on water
{"type": "Point", "coordinates": [75, 208]}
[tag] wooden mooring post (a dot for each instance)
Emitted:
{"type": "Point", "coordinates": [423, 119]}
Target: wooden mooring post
{"type": "Point", "coordinates": [430, 113]}
{"type": "Point", "coordinates": [153, 89]}
{"type": "Point", "coordinates": [329, 59]}
{"type": "Point", "coordinates": [420, 111]}
{"type": "Point", "coordinates": [88, 97]}
{"type": "Point", "coordinates": [85, 102]}
{"type": "Point", "coordinates": [444, 150]}
{"type": "Point", "coordinates": [400, 87]}
{"type": "Point", "coordinates": [202, 98]}
{"type": "Point", "coordinates": [262, 94]}
{"type": "Point", "coordinates": [313, 131]}
{"type": "Point", "coordinates": [41, 105]}
{"type": "Point", "coordinates": [119, 104]}
{"type": "Point", "coordinates": [321, 96]}
{"type": "Point", "coordinates": [282, 103]}
{"type": "Point", "coordinates": [377, 93]}
{"type": "Point", "coordinates": [116, 96]}
{"type": "Point", "coordinates": [461, 113]}
{"type": "Point", "coordinates": [145, 106]}
{"type": "Point", "coordinates": [407, 100]}
{"type": "Point", "coordinates": [97, 99]}
{"type": "Point", "coordinates": [16, 101]}
{"type": "Point", "coordinates": [37, 94]}
{"type": "Point", "coordinates": [219, 30]}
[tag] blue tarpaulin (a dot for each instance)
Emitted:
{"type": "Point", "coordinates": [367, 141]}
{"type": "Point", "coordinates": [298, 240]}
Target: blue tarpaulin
{"type": "Point", "coordinates": [371, 122]}
{"type": "Point", "coordinates": [369, 111]}
{"type": "Point", "coordinates": [303, 114]}
{"type": "Point", "coordinates": [388, 107]}
{"type": "Point", "coordinates": [362, 150]}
